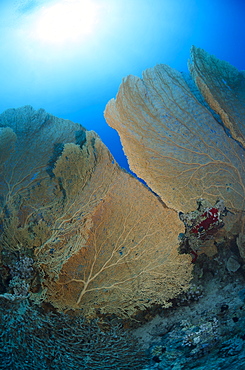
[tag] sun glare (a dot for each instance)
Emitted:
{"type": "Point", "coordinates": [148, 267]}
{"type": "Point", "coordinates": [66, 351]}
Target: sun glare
{"type": "Point", "coordinates": [66, 21]}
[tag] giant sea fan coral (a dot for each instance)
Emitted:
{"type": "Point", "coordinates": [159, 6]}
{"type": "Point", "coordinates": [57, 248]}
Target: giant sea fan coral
{"type": "Point", "coordinates": [174, 142]}
{"type": "Point", "coordinates": [223, 87]}
{"type": "Point", "coordinates": [98, 238]}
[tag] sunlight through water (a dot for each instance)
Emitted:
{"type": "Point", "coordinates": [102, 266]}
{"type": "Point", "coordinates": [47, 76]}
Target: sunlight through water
{"type": "Point", "coordinates": [66, 21]}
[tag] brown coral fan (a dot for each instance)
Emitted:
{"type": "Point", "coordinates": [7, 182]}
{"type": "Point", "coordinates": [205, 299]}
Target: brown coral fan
{"type": "Point", "coordinates": [223, 87]}
{"type": "Point", "coordinates": [129, 259]}
{"type": "Point", "coordinates": [174, 142]}
{"type": "Point", "coordinates": [99, 239]}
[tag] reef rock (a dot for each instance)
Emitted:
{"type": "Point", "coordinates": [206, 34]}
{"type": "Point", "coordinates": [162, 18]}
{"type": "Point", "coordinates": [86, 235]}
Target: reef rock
{"type": "Point", "coordinates": [175, 142]}
{"type": "Point", "coordinates": [100, 241]}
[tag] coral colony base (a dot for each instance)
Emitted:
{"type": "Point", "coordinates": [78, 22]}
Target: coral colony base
{"type": "Point", "coordinates": [97, 270]}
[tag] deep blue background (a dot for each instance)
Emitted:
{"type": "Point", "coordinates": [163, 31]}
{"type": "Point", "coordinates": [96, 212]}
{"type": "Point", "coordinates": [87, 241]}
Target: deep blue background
{"type": "Point", "coordinates": [76, 80]}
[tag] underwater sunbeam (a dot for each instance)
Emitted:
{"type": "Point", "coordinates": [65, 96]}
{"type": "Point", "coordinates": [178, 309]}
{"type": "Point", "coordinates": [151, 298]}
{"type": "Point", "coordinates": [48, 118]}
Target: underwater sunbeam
{"type": "Point", "coordinates": [66, 21]}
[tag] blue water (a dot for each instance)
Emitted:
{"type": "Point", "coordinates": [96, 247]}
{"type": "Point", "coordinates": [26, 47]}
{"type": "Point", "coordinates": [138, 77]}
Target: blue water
{"type": "Point", "coordinates": [75, 78]}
